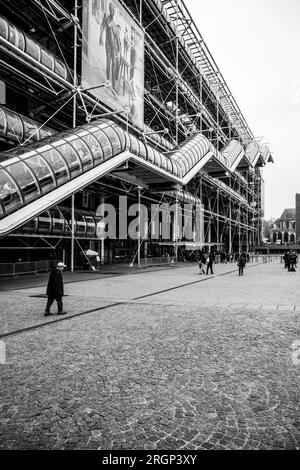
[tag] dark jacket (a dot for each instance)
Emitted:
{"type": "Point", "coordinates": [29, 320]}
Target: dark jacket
{"type": "Point", "coordinates": [241, 262]}
{"type": "Point", "coordinates": [55, 284]}
{"type": "Point", "coordinates": [211, 258]}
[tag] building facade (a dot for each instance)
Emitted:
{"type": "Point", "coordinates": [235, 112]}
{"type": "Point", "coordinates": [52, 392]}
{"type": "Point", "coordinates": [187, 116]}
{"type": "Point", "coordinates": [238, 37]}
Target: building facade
{"type": "Point", "coordinates": [119, 105]}
{"type": "Point", "coordinates": [284, 228]}
{"type": "Point", "coordinates": [298, 218]}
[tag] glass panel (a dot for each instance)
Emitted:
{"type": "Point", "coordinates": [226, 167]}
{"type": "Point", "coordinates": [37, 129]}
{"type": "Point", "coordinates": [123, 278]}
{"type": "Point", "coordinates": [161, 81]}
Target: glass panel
{"type": "Point", "coordinates": [32, 49]}
{"type": "Point", "coordinates": [21, 174]}
{"type": "Point", "coordinates": [44, 223]}
{"type": "Point", "coordinates": [12, 35]}
{"type": "Point", "coordinates": [84, 153]}
{"type": "Point", "coordinates": [63, 135]}
{"type": "Point", "coordinates": [58, 223]}
{"type": "Point", "coordinates": [58, 165]}
{"type": "Point", "coordinates": [65, 214]}
{"type": "Point", "coordinates": [163, 161]}
{"type": "Point", "coordinates": [30, 129]}
{"type": "Point", "coordinates": [122, 137]}
{"type": "Point", "coordinates": [169, 165]}
{"type": "Point", "coordinates": [60, 69]}
{"type": "Point", "coordinates": [45, 132]}
{"type": "Point", "coordinates": [157, 158]}
{"type": "Point", "coordinates": [9, 193]}
{"type": "Point", "coordinates": [71, 158]}
{"type": "Point", "coordinates": [5, 156]}
{"type": "Point", "coordinates": [95, 148]}
{"type": "Point", "coordinates": [81, 226]}
{"type": "Point", "coordinates": [30, 227]}
{"type": "Point", "coordinates": [150, 154]}
{"type": "Point", "coordinates": [2, 122]}
{"type": "Point", "coordinates": [3, 28]}
{"type": "Point", "coordinates": [114, 140]}
{"type": "Point", "coordinates": [42, 172]}
{"type": "Point", "coordinates": [134, 145]}
{"type": "Point", "coordinates": [91, 226]}
{"type": "Point", "coordinates": [21, 44]}
{"type": "Point", "coordinates": [14, 126]}
{"type": "Point", "coordinates": [143, 151]}
{"type": "Point", "coordinates": [105, 144]}
{"type": "Point", "coordinates": [46, 59]}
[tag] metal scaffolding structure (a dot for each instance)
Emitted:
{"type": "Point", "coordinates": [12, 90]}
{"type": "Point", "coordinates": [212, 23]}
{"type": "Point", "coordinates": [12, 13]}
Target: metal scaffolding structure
{"type": "Point", "coordinates": [185, 94]}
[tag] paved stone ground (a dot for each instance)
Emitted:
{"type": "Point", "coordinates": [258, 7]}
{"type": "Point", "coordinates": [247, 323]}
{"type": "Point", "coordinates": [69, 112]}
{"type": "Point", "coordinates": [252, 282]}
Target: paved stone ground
{"type": "Point", "coordinates": [205, 366]}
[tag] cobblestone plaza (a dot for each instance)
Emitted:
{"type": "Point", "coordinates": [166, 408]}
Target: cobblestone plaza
{"type": "Point", "coordinates": [160, 359]}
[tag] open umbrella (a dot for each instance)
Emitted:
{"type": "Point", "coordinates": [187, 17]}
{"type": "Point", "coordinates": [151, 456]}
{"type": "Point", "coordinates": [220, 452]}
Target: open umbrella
{"type": "Point", "coordinates": [91, 253]}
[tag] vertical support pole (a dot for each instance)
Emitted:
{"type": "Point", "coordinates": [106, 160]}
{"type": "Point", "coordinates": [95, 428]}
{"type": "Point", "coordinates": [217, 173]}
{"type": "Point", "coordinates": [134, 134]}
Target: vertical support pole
{"type": "Point", "coordinates": [201, 101]}
{"type": "Point", "coordinates": [239, 228]}
{"type": "Point", "coordinates": [247, 230]}
{"type": "Point", "coordinates": [218, 222]}
{"type": "Point", "coordinates": [230, 221]}
{"type": "Point", "coordinates": [176, 230]}
{"type": "Point", "coordinates": [139, 232]}
{"type": "Point", "coordinates": [177, 72]}
{"type": "Point", "coordinates": [141, 12]}
{"type": "Point", "coordinates": [74, 125]}
{"type": "Point", "coordinates": [102, 252]}
{"type": "Point", "coordinates": [73, 229]}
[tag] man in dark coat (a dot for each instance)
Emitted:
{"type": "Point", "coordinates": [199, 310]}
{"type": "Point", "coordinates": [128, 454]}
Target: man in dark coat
{"type": "Point", "coordinates": [241, 264]}
{"type": "Point", "coordinates": [293, 261]}
{"type": "Point", "coordinates": [55, 289]}
{"type": "Point", "coordinates": [211, 259]}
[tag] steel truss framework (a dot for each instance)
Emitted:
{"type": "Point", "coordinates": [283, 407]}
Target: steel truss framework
{"type": "Point", "coordinates": [184, 92]}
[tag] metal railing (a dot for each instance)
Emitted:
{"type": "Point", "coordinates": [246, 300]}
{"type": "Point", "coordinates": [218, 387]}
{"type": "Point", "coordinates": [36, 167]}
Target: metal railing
{"type": "Point", "coordinates": [264, 258]}
{"type": "Point", "coordinates": [30, 267]}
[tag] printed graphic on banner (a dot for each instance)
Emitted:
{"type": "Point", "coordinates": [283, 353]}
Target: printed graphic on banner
{"type": "Point", "coordinates": [113, 52]}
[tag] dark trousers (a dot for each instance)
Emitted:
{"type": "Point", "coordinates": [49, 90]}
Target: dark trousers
{"type": "Point", "coordinates": [209, 266]}
{"type": "Point", "coordinates": [50, 301]}
{"type": "Point", "coordinates": [241, 270]}
{"type": "Point", "coordinates": [292, 267]}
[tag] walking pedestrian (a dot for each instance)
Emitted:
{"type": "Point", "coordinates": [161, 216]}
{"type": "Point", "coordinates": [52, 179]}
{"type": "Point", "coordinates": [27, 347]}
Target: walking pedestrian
{"type": "Point", "coordinates": [285, 258]}
{"type": "Point", "coordinates": [55, 289]}
{"type": "Point", "coordinates": [210, 261]}
{"type": "Point", "coordinates": [293, 261]}
{"type": "Point", "coordinates": [202, 262]}
{"type": "Point", "coordinates": [241, 264]}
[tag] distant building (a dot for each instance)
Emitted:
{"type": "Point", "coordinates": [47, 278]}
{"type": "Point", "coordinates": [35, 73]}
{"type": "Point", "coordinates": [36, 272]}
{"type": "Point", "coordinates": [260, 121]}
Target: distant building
{"type": "Point", "coordinates": [298, 218]}
{"type": "Point", "coordinates": [284, 228]}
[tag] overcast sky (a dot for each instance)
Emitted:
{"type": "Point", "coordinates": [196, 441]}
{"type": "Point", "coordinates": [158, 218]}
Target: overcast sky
{"type": "Point", "coordinates": [256, 45]}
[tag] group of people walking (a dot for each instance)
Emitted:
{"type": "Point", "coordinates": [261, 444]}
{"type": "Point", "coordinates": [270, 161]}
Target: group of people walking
{"type": "Point", "coordinates": [290, 259]}
{"type": "Point", "coordinates": [206, 261]}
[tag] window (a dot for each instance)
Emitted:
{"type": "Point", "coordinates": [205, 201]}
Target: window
{"type": "Point", "coordinates": [72, 159]}
{"type": "Point", "coordinates": [21, 173]}
{"type": "Point", "coordinates": [58, 165]}
{"type": "Point", "coordinates": [95, 148]}
{"type": "Point", "coordinates": [84, 153]}
{"type": "Point", "coordinates": [14, 126]}
{"type": "Point", "coordinates": [105, 144]}
{"type": "Point", "coordinates": [42, 172]}
{"type": "Point", "coordinates": [9, 194]}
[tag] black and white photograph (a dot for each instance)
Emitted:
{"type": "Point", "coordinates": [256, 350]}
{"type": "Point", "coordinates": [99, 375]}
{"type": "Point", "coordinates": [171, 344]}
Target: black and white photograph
{"type": "Point", "coordinates": [149, 231]}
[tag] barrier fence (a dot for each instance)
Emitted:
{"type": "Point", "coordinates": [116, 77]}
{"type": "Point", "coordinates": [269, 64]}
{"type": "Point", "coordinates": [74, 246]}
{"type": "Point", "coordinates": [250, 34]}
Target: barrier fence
{"type": "Point", "coordinates": [26, 267]}
{"type": "Point", "coordinates": [35, 267]}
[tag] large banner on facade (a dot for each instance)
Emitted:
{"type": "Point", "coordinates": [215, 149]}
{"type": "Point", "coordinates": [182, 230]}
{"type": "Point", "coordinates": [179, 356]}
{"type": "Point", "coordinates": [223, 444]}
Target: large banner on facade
{"type": "Point", "coordinates": [113, 53]}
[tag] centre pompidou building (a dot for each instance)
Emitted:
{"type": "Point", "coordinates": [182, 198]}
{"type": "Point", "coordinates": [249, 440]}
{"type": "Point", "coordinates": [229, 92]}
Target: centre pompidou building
{"type": "Point", "coordinates": [104, 98]}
